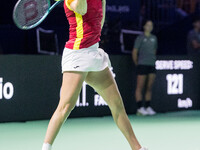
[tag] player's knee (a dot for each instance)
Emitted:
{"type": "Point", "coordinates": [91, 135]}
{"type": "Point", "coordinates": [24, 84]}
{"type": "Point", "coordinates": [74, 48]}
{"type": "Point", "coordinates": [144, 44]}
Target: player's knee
{"type": "Point", "coordinates": [69, 107]}
{"type": "Point", "coordinates": [149, 89]}
{"type": "Point", "coordinates": [65, 109]}
{"type": "Point", "coordinates": [117, 106]}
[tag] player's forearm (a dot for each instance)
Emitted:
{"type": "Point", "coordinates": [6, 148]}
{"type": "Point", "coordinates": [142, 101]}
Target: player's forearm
{"type": "Point", "coordinates": [104, 12]}
{"type": "Point", "coordinates": [134, 56]}
{"type": "Point", "coordinates": [79, 6]}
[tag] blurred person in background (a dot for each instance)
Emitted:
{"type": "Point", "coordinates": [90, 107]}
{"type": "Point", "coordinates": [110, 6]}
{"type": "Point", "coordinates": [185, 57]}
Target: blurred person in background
{"type": "Point", "coordinates": [144, 57]}
{"type": "Point", "coordinates": [189, 6]}
{"type": "Point", "coordinates": [193, 39]}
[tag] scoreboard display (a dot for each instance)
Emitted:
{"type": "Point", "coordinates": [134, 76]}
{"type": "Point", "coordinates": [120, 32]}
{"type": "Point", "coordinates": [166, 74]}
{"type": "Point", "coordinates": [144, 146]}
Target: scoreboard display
{"type": "Point", "coordinates": [30, 87]}
{"type": "Point", "coordinates": [177, 82]}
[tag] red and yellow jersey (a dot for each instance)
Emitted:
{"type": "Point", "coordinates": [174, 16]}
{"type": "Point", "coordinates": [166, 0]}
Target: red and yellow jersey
{"type": "Point", "coordinates": [84, 30]}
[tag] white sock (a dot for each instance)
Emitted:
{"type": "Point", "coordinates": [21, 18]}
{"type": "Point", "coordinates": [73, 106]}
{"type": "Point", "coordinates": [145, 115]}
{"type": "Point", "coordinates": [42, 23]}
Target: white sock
{"type": "Point", "coordinates": [46, 146]}
{"type": "Point", "coordinates": [143, 148]}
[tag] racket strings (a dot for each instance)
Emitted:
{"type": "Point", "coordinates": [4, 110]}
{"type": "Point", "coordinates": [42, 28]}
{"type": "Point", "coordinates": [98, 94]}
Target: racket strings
{"type": "Point", "coordinates": [29, 12]}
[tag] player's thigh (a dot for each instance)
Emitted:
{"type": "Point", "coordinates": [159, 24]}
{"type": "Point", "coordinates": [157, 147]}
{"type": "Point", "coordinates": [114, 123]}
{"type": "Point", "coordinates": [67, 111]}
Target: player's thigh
{"type": "Point", "coordinates": [104, 83]}
{"type": "Point", "coordinates": [141, 81]}
{"type": "Point", "coordinates": [71, 87]}
{"type": "Point", "coordinates": [151, 79]}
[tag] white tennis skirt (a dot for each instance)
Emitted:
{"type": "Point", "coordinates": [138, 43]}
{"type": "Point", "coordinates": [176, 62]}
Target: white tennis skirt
{"type": "Point", "coordinates": [88, 59]}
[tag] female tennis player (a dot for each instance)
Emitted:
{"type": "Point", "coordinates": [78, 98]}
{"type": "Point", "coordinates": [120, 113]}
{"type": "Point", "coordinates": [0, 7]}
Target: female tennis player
{"type": "Point", "coordinates": [82, 60]}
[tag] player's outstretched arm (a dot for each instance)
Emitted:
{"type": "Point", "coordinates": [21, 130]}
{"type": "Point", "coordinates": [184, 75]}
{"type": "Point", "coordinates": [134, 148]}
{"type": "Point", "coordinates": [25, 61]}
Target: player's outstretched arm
{"type": "Point", "coordinates": [79, 6]}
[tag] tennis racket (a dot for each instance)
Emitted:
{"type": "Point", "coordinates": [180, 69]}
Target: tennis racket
{"type": "Point", "coordinates": [28, 14]}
